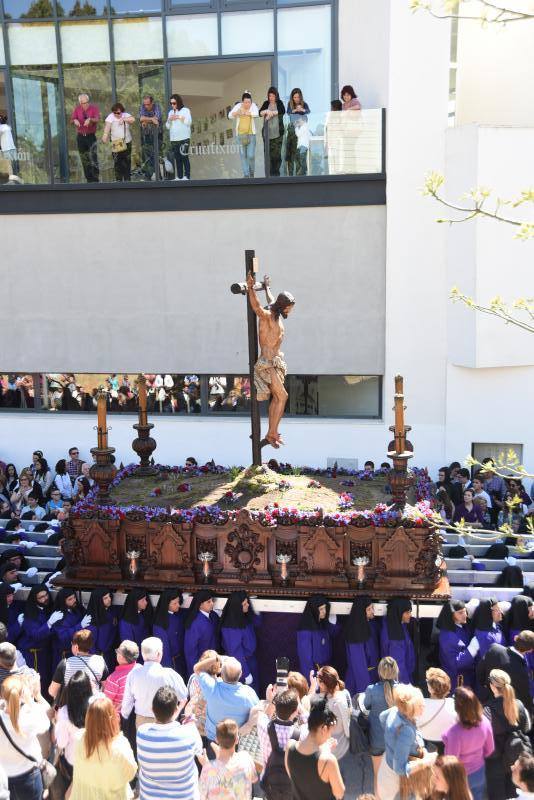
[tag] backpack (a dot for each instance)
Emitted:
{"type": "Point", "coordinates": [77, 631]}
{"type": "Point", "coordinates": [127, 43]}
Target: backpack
{"type": "Point", "coordinates": [275, 782]}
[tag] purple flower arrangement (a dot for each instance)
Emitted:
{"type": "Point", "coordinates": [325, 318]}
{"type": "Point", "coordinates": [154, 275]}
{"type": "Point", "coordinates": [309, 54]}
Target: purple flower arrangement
{"type": "Point", "coordinates": [346, 500]}
{"type": "Point", "coordinates": [272, 515]}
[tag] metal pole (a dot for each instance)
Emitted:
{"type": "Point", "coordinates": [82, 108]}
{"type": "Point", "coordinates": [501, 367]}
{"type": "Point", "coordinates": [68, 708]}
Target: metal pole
{"type": "Point", "coordinates": [252, 358]}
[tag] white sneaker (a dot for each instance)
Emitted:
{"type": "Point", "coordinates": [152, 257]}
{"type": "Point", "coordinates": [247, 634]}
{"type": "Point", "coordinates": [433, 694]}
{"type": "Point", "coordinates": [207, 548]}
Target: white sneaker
{"type": "Point", "coordinates": [15, 179]}
{"type": "Point", "coordinates": [185, 179]}
{"type": "Point", "coordinates": [177, 179]}
{"type": "Point", "coordinates": [153, 178]}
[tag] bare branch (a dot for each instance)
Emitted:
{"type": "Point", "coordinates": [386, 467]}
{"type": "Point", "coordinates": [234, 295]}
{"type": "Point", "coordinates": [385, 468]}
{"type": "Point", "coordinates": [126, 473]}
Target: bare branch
{"type": "Point", "coordinates": [490, 13]}
{"type": "Point", "coordinates": [498, 308]}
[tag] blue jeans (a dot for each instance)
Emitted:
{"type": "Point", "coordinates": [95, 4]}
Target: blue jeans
{"type": "Point", "coordinates": [28, 786]}
{"type": "Point", "coordinates": [477, 783]}
{"type": "Point", "coordinates": [247, 151]}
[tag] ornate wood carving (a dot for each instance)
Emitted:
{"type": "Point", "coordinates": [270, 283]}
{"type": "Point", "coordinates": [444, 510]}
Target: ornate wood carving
{"type": "Point", "coordinates": [170, 548]}
{"type": "Point", "coordinates": [320, 552]}
{"type": "Point", "coordinates": [244, 549]}
{"type": "Point", "coordinates": [399, 552]}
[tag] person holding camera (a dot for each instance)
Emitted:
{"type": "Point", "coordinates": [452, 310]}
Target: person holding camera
{"type": "Point", "coordinates": [274, 735]}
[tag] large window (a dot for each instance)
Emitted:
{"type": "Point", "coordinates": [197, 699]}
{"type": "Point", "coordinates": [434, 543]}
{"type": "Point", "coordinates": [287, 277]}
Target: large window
{"type": "Point", "coordinates": [357, 396]}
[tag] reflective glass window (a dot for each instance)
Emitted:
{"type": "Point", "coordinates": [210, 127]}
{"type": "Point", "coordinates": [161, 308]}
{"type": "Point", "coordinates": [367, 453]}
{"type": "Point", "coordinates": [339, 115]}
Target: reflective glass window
{"type": "Point", "coordinates": [134, 6]}
{"type": "Point", "coordinates": [17, 390]}
{"type": "Point", "coordinates": [2, 53]}
{"type": "Point", "coordinates": [138, 38]}
{"type": "Point", "coordinates": [29, 9]}
{"type": "Point", "coordinates": [334, 395]}
{"type": "Point", "coordinates": [192, 36]}
{"type": "Point", "coordinates": [85, 43]}
{"type": "Point", "coordinates": [32, 43]}
{"type": "Point", "coordinates": [193, 4]}
{"type": "Point", "coordinates": [248, 32]}
{"type": "Point", "coordinates": [229, 394]}
{"type": "Point", "coordinates": [81, 8]}
{"type": "Point", "coordinates": [304, 54]}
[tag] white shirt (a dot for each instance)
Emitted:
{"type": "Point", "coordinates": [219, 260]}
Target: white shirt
{"type": "Point", "coordinates": [119, 129]}
{"type": "Point", "coordinates": [438, 717]}
{"type": "Point", "coordinates": [142, 684]}
{"type": "Point", "coordinates": [64, 485]}
{"type": "Point", "coordinates": [6, 139]}
{"type": "Point", "coordinates": [178, 129]}
{"type": "Point", "coordinates": [33, 721]}
{"type": "Point", "coordinates": [67, 734]}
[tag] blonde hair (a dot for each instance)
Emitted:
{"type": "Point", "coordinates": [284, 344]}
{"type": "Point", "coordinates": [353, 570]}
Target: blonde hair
{"type": "Point", "coordinates": [501, 680]}
{"type": "Point", "coordinates": [438, 682]}
{"type": "Point", "coordinates": [297, 681]}
{"type": "Point", "coordinates": [13, 689]}
{"type": "Point", "coordinates": [101, 726]}
{"type": "Point", "coordinates": [388, 672]}
{"type": "Point", "coordinates": [408, 700]}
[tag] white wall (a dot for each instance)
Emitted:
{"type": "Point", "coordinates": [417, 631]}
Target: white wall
{"type": "Point", "coordinates": [495, 75]}
{"type": "Point", "coordinates": [364, 27]}
{"type": "Point", "coordinates": [484, 258]}
{"type": "Point", "coordinates": [151, 292]}
{"type": "Point", "coordinates": [224, 439]}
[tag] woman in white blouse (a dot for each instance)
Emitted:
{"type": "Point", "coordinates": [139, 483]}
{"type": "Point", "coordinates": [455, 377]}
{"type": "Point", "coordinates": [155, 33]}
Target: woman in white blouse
{"type": "Point", "coordinates": [117, 128]}
{"type": "Point", "coordinates": [24, 717]}
{"type": "Point", "coordinates": [62, 480]}
{"type": "Point", "coordinates": [439, 714]}
{"type": "Point", "coordinates": [70, 720]}
{"type": "Point", "coordinates": [179, 125]}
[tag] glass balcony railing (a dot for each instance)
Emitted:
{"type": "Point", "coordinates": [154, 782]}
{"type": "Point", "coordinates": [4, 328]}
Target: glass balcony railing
{"type": "Point", "coordinates": [316, 144]}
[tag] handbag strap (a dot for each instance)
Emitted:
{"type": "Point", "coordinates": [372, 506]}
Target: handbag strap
{"type": "Point", "coordinates": [98, 680]}
{"type": "Point", "coordinates": [12, 743]}
{"type": "Point", "coordinates": [440, 709]}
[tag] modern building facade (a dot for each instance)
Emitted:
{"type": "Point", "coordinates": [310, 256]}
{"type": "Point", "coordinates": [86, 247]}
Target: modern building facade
{"type": "Point", "coordinates": [118, 278]}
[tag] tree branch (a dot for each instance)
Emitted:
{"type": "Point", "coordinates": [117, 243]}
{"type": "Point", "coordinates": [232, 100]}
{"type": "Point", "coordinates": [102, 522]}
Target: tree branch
{"type": "Point", "coordinates": [499, 309]}
{"type": "Point", "coordinates": [491, 13]}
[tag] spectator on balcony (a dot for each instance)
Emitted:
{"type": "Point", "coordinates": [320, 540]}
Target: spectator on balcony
{"type": "Point", "coordinates": [74, 464]}
{"type": "Point", "coordinates": [104, 624]}
{"type": "Point", "coordinates": [273, 111]}
{"type": "Point", "coordinates": [62, 480]}
{"type": "Point", "coordinates": [238, 635]}
{"type": "Point", "coordinates": [395, 639]}
{"type": "Point", "coordinates": [298, 134]}
{"type": "Point", "coordinates": [201, 628]}
{"type": "Point", "coordinates": [117, 128]}
{"type": "Point", "coordinates": [136, 621]}
{"type": "Point", "coordinates": [151, 120]}
{"type": "Point", "coordinates": [169, 627]}
{"type": "Point", "coordinates": [315, 633]}
{"type": "Point", "coordinates": [85, 117]}
{"type": "Point", "coordinates": [179, 123]}
{"type": "Point", "coordinates": [350, 99]}
{"type": "Point", "coordinates": [362, 645]}
{"type": "Point", "coordinates": [245, 130]}
{"type": "Point", "coordinates": [468, 511]}
{"type": "Point", "coordinates": [8, 151]}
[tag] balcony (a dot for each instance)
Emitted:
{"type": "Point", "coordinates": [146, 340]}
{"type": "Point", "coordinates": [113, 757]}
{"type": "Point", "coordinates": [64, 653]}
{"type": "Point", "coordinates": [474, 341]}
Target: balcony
{"type": "Point", "coordinates": [341, 153]}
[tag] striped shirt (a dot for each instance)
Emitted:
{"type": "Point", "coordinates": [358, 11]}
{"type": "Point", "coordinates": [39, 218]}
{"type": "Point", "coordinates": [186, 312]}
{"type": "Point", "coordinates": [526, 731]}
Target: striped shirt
{"type": "Point", "coordinates": [166, 758]}
{"type": "Point", "coordinates": [114, 686]}
{"type": "Point", "coordinates": [93, 665]}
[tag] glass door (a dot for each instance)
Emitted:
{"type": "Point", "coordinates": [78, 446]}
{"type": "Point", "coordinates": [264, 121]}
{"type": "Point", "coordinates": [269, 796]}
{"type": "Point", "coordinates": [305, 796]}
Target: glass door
{"type": "Point", "coordinates": [38, 124]}
{"type": "Point", "coordinates": [210, 90]}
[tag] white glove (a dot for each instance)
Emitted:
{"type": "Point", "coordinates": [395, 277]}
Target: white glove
{"type": "Point", "coordinates": [332, 618]}
{"type": "Point", "coordinates": [249, 680]}
{"type": "Point", "coordinates": [30, 572]}
{"type": "Point", "coordinates": [16, 586]}
{"type": "Point", "coordinates": [218, 611]}
{"type": "Point", "coordinates": [29, 545]}
{"type": "Point", "coordinates": [473, 646]}
{"type": "Point", "coordinates": [20, 619]}
{"type": "Point", "coordinates": [54, 617]}
{"type": "Point", "coordinates": [51, 579]}
{"type": "Point", "coordinates": [86, 621]}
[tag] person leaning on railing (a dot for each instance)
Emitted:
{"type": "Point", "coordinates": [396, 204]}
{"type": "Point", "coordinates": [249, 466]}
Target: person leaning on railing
{"type": "Point", "coordinates": [273, 111]}
{"type": "Point", "coordinates": [117, 128]}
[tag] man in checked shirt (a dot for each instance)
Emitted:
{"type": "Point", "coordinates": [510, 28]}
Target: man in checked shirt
{"type": "Point", "coordinates": [274, 779]}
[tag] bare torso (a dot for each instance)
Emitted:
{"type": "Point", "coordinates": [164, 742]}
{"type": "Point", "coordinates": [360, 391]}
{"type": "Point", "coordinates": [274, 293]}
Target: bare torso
{"type": "Point", "coordinates": [270, 335]}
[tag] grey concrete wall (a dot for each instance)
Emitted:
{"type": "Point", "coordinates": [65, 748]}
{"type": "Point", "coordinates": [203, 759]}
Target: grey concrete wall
{"type": "Point", "coordinates": [128, 292]}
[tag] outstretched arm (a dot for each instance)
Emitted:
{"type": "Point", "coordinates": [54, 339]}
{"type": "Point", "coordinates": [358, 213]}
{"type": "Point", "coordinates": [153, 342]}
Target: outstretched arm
{"type": "Point", "coordinates": [254, 302]}
{"type": "Point", "coordinates": [268, 294]}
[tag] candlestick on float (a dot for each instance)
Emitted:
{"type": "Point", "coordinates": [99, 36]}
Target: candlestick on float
{"type": "Point", "coordinates": [103, 471]}
{"type": "Point", "coordinates": [399, 450]}
{"type": "Point", "coordinates": [144, 445]}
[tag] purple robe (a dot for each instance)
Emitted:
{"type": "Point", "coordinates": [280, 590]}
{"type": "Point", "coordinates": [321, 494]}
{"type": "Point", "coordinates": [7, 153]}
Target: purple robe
{"type": "Point", "coordinates": [173, 643]}
{"type": "Point", "coordinates": [201, 635]}
{"type": "Point", "coordinates": [135, 632]}
{"type": "Point", "coordinates": [455, 658]}
{"type": "Point", "coordinates": [35, 644]}
{"type": "Point", "coordinates": [241, 644]}
{"type": "Point", "coordinates": [487, 638]}
{"type": "Point", "coordinates": [362, 661]}
{"type": "Point", "coordinates": [105, 637]}
{"type": "Point", "coordinates": [315, 647]}
{"type": "Point", "coordinates": [62, 633]}
{"type": "Point", "coordinates": [402, 650]}
{"type": "Point", "coordinates": [13, 628]}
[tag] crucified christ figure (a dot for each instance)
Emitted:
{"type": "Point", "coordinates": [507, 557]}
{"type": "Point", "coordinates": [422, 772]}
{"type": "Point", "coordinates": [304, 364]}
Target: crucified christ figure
{"type": "Point", "coordinates": [270, 368]}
